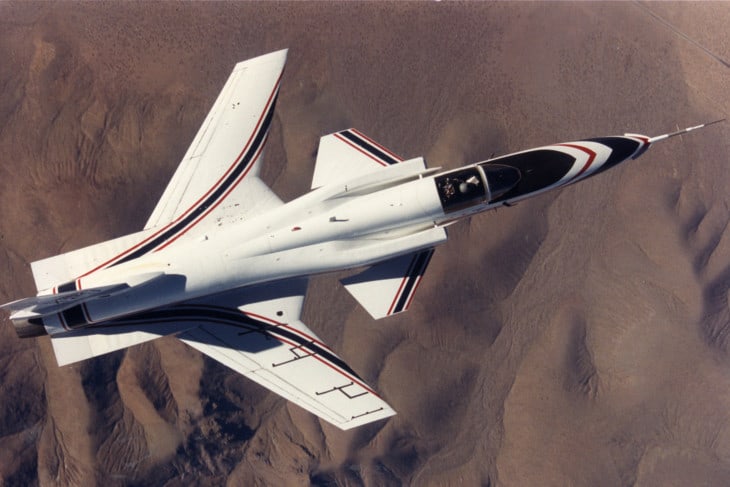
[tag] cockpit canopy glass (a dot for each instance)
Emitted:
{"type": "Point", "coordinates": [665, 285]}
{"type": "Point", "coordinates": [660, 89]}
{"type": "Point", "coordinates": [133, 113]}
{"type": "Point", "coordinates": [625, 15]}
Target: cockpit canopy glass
{"type": "Point", "coordinates": [475, 185]}
{"type": "Point", "coordinates": [461, 189]}
{"type": "Point", "coordinates": [500, 178]}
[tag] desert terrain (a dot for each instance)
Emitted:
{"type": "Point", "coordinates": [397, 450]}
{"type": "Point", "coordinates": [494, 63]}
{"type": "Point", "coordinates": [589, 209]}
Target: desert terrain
{"type": "Point", "coordinates": [578, 338]}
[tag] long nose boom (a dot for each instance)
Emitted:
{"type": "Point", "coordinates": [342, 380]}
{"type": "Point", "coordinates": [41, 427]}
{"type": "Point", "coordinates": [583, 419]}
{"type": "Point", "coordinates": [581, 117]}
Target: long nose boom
{"type": "Point", "coordinates": [659, 138]}
{"type": "Point", "coordinates": [683, 131]}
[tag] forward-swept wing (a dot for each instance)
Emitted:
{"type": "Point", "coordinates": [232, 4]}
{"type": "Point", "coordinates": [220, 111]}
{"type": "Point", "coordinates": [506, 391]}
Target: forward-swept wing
{"type": "Point", "coordinates": [256, 330]}
{"type": "Point", "coordinates": [223, 264]}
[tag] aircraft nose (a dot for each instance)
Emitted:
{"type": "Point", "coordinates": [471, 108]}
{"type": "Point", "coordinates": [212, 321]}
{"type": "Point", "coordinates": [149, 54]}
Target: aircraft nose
{"type": "Point", "coordinates": [500, 179]}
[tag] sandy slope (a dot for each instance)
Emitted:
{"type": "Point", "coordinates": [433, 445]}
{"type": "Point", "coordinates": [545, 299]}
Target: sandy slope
{"type": "Point", "coordinates": [581, 338]}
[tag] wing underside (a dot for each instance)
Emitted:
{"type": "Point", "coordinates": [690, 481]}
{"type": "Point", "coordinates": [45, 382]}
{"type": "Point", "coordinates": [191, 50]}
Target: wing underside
{"type": "Point", "coordinates": [287, 358]}
{"type": "Point", "coordinates": [81, 345]}
{"type": "Point", "coordinates": [256, 332]}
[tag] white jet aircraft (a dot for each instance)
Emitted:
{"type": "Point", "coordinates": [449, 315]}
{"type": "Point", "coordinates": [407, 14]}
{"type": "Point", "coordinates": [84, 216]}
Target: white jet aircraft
{"type": "Point", "coordinates": [223, 263]}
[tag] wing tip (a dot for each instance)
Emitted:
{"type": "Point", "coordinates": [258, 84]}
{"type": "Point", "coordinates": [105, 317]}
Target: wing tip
{"type": "Point", "coordinates": [368, 417]}
{"type": "Point", "coordinates": [275, 56]}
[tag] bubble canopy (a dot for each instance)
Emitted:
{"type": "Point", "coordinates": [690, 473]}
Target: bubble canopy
{"type": "Point", "coordinates": [500, 178]}
{"type": "Point", "coordinates": [475, 185]}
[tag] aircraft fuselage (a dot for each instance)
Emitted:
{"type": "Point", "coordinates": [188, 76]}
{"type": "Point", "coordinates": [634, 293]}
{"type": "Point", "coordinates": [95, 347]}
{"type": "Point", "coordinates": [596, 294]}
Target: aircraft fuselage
{"type": "Point", "coordinates": [222, 263]}
{"type": "Point", "coordinates": [305, 236]}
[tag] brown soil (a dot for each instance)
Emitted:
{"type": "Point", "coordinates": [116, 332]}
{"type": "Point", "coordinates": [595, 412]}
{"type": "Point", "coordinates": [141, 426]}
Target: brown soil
{"type": "Point", "coordinates": [580, 338]}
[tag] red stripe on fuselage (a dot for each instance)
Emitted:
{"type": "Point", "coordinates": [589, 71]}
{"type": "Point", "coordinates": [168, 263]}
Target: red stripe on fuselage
{"type": "Point", "coordinates": [591, 157]}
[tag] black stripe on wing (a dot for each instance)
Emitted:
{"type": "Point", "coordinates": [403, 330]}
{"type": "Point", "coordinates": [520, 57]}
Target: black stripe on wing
{"type": "Point", "coordinates": [415, 272]}
{"type": "Point", "coordinates": [367, 146]}
{"type": "Point", "coordinates": [235, 318]}
{"type": "Point", "coordinates": [212, 198]}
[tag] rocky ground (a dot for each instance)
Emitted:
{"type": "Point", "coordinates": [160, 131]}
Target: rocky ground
{"type": "Point", "coordinates": [580, 338]}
